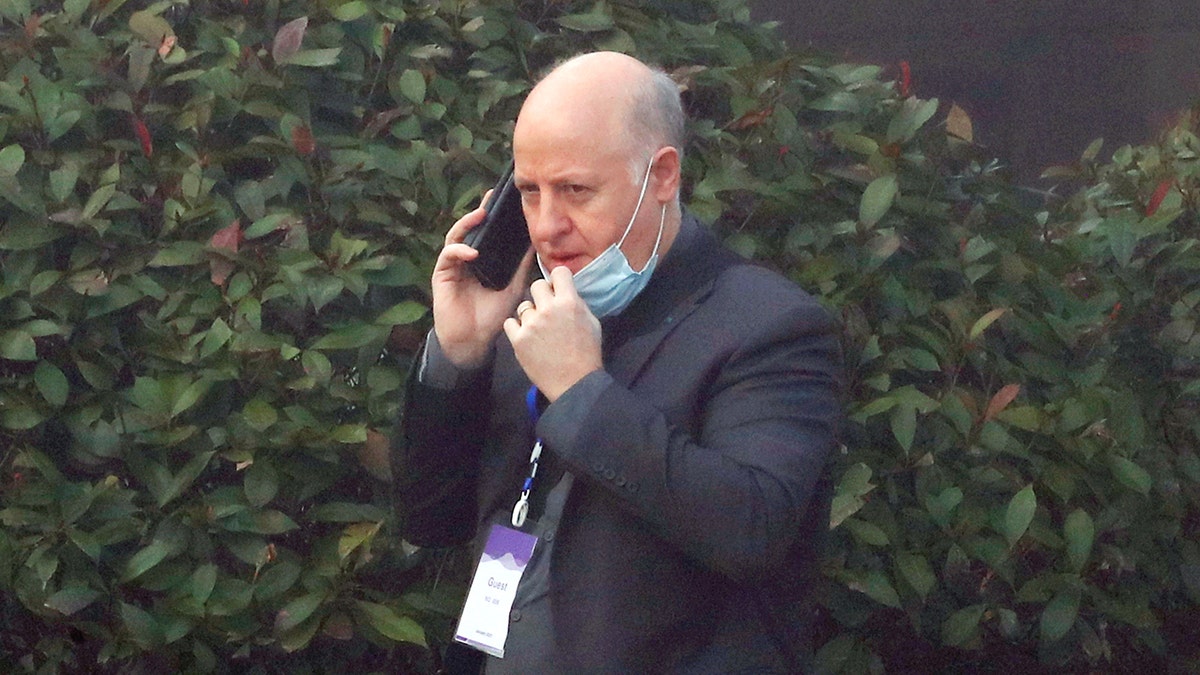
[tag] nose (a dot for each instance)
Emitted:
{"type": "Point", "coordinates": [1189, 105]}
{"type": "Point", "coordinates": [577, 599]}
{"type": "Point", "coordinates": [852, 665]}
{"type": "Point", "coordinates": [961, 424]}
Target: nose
{"type": "Point", "coordinates": [547, 219]}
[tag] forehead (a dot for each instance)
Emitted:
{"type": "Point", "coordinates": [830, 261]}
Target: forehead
{"type": "Point", "coordinates": [574, 118]}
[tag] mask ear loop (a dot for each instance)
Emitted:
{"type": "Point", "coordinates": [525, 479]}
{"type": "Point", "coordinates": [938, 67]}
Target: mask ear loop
{"type": "Point", "coordinates": [642, 196]}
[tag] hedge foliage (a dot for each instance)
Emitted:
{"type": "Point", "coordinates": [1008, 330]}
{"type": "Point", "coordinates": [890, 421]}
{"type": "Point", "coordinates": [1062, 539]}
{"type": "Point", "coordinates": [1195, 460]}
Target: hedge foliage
{"type": "Point", "coordinates": [218, 218]}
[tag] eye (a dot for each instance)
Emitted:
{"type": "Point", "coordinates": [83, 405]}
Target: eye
{"type": "Point", "coordinates": [574, 189]}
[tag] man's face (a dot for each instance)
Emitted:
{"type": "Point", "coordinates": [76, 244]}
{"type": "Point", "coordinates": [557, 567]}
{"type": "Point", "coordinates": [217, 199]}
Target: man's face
{"type": "Point", "coordinates": [579, 190]}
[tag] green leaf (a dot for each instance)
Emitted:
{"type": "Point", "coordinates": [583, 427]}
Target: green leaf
{"type": "Point", "coordinates": [391, 625]}
{"type": "Point", "coordinates": [150, 27]}
{"type": "Point", "coordinates": [1059, 615]}
{"type": "Point", "coordinates": [942, 506]}
{"type": "Point", "coordinates": [349, 433]}
{"type": "Point", "coordinates": [204, 580]}
{"type": "Point", "coordinates": [591, 22]}
{"type": "Point", "coordinates": [867, 532]}
{"type": "Point", "coordinates": [904, 425]}
{"type": "Point", "coordinates": [179, 253]}
{"type": "Point", "coordinates": [71, 599]}
{"type": "Point", "coordinates": [877, 199]}
{"type": "Point", "coordinates": [276, 580]}
{"type": "Point", "coordinates": [21, 234]}
{"type": "Point", "coordinates": [51, 383]}
{"type": "Point", "coordinates": [917, 571]}
{"type": "Point", "coordinates": [21, 418]}
{"type": "Point", "coordinates": [913, 115]}
{"type": "Point", "coordinates": [878, 587]}
{"type": "Point", "coordinates": [297, 611]}
{"type": "Point", "coordinates": [268, 521]}
{"type": "Point", "coordinates": [315, 58]}
{"type": "Point", "coordinates": [351, 337]}
{"type": "Point", "coordinates": [97, 201]}
{"type": "Point", "coordinates": [1130, 474]}
{"type": "Point", "coordinates": [985, 321]}
{"type": "Point", "coordinates": [345, 512]}
{"type": "Point", "coordinates": [350, 11]}
{"type": "Point", "coordinates": [1019, 514]}
{"type": "Point", "coordinates": [271, 223]}
{"type": "Point", "coordinates": [1080, 533]}
{"type": "Point", "coordinates": [216, 337]}
{"type": "Point", "coordinates": [354, 536]}
{"type": "Point", "coordinates": [962, 626]}
{"type": "Point", "coordinates": [142, 626]}
{"type": "Point", "coordinates": [261, 483]}
{"type": "Point", "coordinates": [12, 158]}
{"type": "Point", "coordinates": [412, 86]}
{"type": "Point", "coordinates": [17, 345]}
{"type": "Point", "coordinates": [144, 560]}
{"type": "Point", "coordinates": [259, 414]}
{"type": "Point", "coordinates": [190, 396]}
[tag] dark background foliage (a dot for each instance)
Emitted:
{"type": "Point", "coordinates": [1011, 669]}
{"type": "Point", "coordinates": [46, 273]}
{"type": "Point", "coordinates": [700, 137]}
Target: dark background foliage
{"type": "Point", "coordinates": [218, 221]}
{"type": "Point", "coordinates": [1040, 79]}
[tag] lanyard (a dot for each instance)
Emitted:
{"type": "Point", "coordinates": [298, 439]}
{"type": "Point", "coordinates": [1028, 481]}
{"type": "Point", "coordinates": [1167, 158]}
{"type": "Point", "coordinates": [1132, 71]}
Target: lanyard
{"type": "Point", "coordinates": [521, 508]}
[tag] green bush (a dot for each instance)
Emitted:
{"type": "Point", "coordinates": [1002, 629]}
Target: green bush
{"type": "Point", "coordinates": [218, 221]}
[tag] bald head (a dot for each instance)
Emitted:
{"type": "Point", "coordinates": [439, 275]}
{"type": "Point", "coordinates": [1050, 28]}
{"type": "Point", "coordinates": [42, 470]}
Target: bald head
{"type": "Point", "coordinates": [606, 98]}
{"type": "Point", "coordinates": [596, 140]}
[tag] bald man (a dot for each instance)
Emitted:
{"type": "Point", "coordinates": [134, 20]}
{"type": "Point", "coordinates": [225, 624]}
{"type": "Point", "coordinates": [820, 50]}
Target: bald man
{"type": "Point", "coordinates": [639, 434]}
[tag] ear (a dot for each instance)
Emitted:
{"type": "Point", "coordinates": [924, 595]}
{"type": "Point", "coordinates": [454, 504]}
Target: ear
{"type": "Point", "coordinates": [666, 174]}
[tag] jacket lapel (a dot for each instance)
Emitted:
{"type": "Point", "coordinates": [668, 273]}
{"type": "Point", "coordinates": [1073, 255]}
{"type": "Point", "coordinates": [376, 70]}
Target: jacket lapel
{"type": "Point", "coordinates": [678, 286]}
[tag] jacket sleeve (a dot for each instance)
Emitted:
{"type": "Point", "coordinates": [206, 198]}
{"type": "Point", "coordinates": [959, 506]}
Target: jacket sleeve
{"type": "Point", "coordinates": [435, 455]}
{"type": "Point", "coordinates": [733, 490]}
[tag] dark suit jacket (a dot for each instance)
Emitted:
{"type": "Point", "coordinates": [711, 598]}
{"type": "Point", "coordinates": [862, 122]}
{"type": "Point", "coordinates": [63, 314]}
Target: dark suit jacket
{"type": "Point", "coordinates": [689, 541]}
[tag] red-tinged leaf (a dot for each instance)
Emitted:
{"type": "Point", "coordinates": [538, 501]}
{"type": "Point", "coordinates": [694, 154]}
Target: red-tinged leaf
{"type": "Point", "coordinates": [302, 139]}
{"type": "Point", "coordinates": [1160, 193]}
{"type": "Point", "coordinates": [958, 124]}
{"type": "Point", "coordinates": [752, 119]}
{"type": "Point", "coordinates": [905, 83]}
{"type": "Point", "coordinates": [167, 44]}
{"type": "Point", "coordinates": [381, 120]}
{"type": "Point", "coordinates": [288, 39]}
{"type": "Point", "coordinates": [228, 238]}
{"type": "Point", "coordinates": [32, 25]}
{"type": "Point", "coordinates": [1000, 401]}
{"type": "Point", "coordinates": [219, 270]}
{"type": "Point", "coordinates": [143, 135]}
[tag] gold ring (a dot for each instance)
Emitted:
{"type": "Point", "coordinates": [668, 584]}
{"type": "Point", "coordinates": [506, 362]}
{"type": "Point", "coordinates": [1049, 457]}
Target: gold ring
{"type": "Point", "coordinates": [525, 306]}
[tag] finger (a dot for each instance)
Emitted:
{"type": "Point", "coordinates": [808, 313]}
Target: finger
{"type": "Point", "coordinates": [453, 256]}
{"type": "Point", "coordinates": [511, 328]}
{"type": "Point", "coordinates": [522, 274]}
{"type": "Point", "coordinates": [486, 196]}
{"type": "Point", "coordinates": [542, 293]}
{"type": "Point", "coordinates": [563, 282]}
{"type": "Point", "coordinates": [463, 225]}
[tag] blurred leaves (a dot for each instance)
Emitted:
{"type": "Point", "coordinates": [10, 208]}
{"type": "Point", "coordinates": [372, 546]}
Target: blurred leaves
{"type": "Point", "coordinates": [193, 470]}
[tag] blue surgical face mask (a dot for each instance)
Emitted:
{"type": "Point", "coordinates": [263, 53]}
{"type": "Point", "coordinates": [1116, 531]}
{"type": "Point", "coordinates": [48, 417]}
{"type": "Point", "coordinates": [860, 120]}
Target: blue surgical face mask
{"type": "Point", "coordinates": [608, 283]}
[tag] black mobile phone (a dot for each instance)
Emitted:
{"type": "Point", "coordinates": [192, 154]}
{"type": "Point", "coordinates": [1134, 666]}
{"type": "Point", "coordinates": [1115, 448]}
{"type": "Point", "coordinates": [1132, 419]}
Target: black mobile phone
{"type": "Point", "coordinates": [502, 238]}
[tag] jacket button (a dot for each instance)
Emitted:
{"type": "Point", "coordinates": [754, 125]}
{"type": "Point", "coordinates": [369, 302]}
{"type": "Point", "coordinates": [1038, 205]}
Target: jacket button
{"type": "Point", "coordinates": [514, 615]}
{"type": "Point", "coordinates": [621, 481]}
{"type": "Point", "coordinates": [610, 474]}
{"type": "Point", "coordinates": [632, 487]}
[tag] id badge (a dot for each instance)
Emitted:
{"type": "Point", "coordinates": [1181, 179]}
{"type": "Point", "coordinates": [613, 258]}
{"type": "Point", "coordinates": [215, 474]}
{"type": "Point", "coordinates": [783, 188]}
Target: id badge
{"type": "Point", "coordinates": [484, 621]}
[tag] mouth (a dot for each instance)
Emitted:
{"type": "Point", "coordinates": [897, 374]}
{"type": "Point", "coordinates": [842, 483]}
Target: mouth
{"type": "Point", "coordinates": [571, 262]}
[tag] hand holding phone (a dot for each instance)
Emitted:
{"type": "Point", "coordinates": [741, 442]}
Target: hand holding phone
{"type": "Point", "coordinates": [502, 238]}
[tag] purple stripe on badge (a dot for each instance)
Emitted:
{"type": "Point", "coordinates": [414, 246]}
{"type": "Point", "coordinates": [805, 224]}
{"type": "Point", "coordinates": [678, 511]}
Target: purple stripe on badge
{"type": "Point", "coordinates": [510, 547]}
